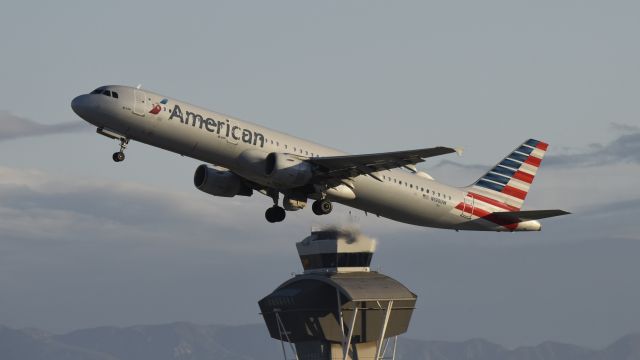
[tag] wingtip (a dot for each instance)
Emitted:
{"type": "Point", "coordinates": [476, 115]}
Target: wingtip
{"type": "Point", "coordinates": [459, 151]}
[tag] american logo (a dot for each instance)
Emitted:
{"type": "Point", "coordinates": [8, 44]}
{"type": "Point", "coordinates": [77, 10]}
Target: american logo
{"type": "Point", "coordinates": [155, 110]}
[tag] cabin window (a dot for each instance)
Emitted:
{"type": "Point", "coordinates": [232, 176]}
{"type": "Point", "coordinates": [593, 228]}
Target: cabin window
{"type": "Point", "coordinates": [411, 186]}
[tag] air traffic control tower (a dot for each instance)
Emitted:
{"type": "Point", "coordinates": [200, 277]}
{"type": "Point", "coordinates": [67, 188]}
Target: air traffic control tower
{"type": "Point", "coordinates": [338, 308]}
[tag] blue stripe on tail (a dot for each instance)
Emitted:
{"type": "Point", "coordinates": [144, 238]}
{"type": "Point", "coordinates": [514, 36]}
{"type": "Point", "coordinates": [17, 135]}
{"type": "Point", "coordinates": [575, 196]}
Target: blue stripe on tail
{"type": "Point", "coordinates": [497, 178]}
{"type": "Point", "coordinates": [510, 163]}
{"type": "Point", "coordinates": [490, 185]}
{"type": "Point", "coordinates": [503, 170]}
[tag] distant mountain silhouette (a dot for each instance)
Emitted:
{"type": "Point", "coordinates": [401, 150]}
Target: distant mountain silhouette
{"type": "Point", "coordinates": [186, 341]}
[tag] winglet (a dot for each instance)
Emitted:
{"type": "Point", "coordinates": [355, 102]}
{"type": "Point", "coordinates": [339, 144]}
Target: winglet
{"type": "Point", "coordinates": [459, 151]}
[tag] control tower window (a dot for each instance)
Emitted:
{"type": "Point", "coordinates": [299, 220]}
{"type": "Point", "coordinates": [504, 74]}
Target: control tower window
{"type": "Point", "coordinates": [334, 260]}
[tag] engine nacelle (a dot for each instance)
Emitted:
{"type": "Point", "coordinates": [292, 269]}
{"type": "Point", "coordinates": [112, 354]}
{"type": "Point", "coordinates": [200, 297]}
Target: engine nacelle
{"type": "Point", "coordinates": [220, 182]}
{"type": "Point", "coordinates": [287, 171]}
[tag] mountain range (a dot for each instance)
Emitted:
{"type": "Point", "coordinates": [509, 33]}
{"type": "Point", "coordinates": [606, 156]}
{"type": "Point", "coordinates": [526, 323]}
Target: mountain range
{"type": "Point", "coordinates": [187, 341]}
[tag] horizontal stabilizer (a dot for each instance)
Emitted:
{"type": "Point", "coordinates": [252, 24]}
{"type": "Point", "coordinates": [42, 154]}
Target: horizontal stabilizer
{"type": "Point", "coordinates": [519, 216]}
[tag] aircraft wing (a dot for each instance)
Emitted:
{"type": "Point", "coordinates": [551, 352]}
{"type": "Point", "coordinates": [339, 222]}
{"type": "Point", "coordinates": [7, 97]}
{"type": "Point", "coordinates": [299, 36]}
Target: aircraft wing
{"type": "Point", "coordinates": [332, 169]}
{"type": "Point", "coordinates": [518, 216]}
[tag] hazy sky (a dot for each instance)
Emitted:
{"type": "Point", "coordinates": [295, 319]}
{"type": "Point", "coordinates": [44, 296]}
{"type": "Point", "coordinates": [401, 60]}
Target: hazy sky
{"type": "Point", "coordinates": [86, 242]}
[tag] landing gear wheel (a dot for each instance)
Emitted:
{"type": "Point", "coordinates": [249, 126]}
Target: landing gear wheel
{"type": "Point", "coordinates": [118, 156]}
{"type": "Point", "coordinates": [322, 207]}
{"type": "Point", "coordinates": [275, 214]}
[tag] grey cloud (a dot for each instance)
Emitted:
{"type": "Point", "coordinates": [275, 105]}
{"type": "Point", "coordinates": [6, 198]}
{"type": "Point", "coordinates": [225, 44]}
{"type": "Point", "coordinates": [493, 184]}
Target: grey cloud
{"type": "Point", "coordinates": [624, 149]}
{"type": "Point", "coordinates": [631, 206]}
{"type": "Point", "coordinates": [448, 163]}
{"type": "Point", "coordinates": [13, 127]}
{"type": "Point", "coordinates": [35, 205]}
{"type": "Point", "coordinates": [624, 127]}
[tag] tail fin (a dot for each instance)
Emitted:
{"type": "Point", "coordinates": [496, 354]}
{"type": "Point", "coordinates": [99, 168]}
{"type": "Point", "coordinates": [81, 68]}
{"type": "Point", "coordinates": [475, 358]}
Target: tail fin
{"type": "Point", "coordinates": [509, 181]}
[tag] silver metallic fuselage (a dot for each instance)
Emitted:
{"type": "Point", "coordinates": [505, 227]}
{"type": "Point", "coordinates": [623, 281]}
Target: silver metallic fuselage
{"type": "Point", "coordinates": [224, 142]}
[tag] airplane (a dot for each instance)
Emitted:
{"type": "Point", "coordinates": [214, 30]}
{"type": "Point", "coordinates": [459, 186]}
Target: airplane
{"type": "Point", "coordinates": [247, 157]}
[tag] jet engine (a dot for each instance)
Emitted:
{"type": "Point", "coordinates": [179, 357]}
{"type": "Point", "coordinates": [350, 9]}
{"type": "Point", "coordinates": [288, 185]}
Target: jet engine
{"type": "Point", "coordinates": [287, 171]}
{"type": "Point", "coordinates": [220, 182]}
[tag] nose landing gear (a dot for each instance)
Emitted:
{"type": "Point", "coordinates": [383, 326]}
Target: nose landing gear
{"type": "Point", "coordinates": [119, 156]}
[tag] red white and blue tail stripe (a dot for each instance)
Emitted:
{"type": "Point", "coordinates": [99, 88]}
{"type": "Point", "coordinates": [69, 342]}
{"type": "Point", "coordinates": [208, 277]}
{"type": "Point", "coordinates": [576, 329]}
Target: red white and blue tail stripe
{"type": "Point", "coordinates": [507, 184]}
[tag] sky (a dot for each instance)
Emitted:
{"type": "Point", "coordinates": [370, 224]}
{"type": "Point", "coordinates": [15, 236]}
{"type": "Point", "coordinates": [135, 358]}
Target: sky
{"type": "Point", "coordinates": [87, 242]}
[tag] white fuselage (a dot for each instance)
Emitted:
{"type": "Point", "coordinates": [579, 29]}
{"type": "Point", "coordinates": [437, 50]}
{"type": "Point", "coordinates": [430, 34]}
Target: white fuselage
{"type": "Point", "coordinates": [224, 141]}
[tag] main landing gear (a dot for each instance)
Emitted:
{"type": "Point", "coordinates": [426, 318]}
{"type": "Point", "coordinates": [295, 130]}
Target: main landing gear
{"type": "Point", "coordinates": [275, 213]}
{"type": "Point", "coordinates": [322, 207]}
{"type": "Point", "coordinates": [119, 156]}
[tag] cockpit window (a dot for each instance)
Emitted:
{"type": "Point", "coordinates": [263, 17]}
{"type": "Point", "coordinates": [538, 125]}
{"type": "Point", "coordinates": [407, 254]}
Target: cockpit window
{"type": "Point", "coordinates": [105, 92]}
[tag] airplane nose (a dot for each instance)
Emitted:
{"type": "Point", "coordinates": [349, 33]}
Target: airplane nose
{"type": "Point", "coordinates": [79, 105]}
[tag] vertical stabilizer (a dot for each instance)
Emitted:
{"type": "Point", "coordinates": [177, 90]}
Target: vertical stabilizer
{"type": "Point", "coordinates": [509, 181]}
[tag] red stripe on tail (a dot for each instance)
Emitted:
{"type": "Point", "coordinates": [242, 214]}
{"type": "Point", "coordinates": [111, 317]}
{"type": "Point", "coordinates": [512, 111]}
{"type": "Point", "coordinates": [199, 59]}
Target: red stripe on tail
{"type": "Point", "coordinates": [523, 176]}
{"type": "Point", "coordinates": [483, 214]}
{"type": "Point", "coordinates": [516, 193]}
{"type": "Point", "coordinates": [493, 202]}
{"type": "Point", "coordinates": [532, 160]}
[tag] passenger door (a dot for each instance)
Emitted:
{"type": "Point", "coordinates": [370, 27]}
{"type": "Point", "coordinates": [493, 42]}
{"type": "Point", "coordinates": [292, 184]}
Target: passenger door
{"type": "Point", "coordinates": [139, 102]}
{"type": "Point", "coordinates": [467, 208]}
